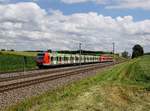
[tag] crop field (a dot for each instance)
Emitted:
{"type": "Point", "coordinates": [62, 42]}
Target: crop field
{"type": "Point", "coordinates": [15, 61]}
{"type": "Point", "coordinates": [21, 53]}
{"type": "Point", "coordinates": [124, 87]}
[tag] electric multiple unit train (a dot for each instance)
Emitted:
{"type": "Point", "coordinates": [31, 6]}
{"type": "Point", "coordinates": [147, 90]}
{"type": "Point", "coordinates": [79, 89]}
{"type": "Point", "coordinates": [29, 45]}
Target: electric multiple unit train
{"type": "Point", "coordinates": [47, 59]}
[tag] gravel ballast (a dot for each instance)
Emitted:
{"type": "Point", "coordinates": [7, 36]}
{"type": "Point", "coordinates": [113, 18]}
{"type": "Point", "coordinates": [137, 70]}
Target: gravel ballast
{"type": "Point", "coordinates": [14, 96]}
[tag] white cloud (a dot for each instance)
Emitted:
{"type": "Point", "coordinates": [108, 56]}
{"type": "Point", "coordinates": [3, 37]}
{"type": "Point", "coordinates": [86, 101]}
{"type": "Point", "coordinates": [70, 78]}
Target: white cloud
{"type": "Point", "coordinates": [82, 1]}
{"type": "Point", "coordinates": [27, 26]}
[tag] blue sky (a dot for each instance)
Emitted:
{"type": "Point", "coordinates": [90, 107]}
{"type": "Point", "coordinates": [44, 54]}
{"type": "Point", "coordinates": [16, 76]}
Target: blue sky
{"type": "Point", "coordinates": [137, 13]}
{"type": "Point", "coordinates": [63, 24]}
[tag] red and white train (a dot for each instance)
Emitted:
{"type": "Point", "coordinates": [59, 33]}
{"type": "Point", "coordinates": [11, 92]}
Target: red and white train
{"type": "Point", "coordinates": [45, 59]}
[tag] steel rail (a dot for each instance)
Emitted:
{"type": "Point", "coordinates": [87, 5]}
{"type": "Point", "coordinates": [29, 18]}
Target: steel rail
{"type": "Point", "coordinates": [46, 72]}
{"type": "Point", "coordinates": [16, 85]}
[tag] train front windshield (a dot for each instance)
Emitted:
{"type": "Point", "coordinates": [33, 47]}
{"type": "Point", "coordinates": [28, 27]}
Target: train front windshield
{"type": "Point", "coordinates": [40, 56]}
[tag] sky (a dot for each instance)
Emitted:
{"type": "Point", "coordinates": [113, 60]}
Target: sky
{"type": "Point", "coordinates": [63, 24]}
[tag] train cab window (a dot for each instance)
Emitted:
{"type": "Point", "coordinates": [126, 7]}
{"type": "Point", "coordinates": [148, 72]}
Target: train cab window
{"type": "Point", "coordinates": [40, 56]}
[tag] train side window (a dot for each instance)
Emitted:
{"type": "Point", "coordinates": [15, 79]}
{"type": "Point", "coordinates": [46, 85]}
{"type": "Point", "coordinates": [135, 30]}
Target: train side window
{"type": "Point", "coordinates": [77, 58]}
{"type": "Point", "coordinates": [57, 58]}
{"type": "Point", "coordinates": [65, 58]}
{"type": "Point", "coordinates": [71, 58]}
{"type": "Point", "coordinates": [52, 58]}
{"type": "Point", "coordinates": [60, 59]}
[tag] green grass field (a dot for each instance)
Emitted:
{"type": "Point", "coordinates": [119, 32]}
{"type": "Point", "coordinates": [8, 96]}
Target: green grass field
{"type": "Point", "coordinates": [20, 53]}
{"type": "Point", "coordinates": [14, 61]}
{"type": "Point", "coordinates": [124, 87]}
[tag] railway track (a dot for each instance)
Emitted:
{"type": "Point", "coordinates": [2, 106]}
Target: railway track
{"type": "Point", "coordinates": [10, 83]}
{"type": "Point", "coordinates": [15, 76]}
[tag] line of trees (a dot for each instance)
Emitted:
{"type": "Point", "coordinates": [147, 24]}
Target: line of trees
{"type": "Point", "coordinates": [137, 51]}
{"type": "Point", "coordinates": [7, 50]}
{"type": "Point", "coordinates": [125, 54]}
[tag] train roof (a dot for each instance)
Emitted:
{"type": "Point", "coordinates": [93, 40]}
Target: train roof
{"type": "Point", "coordinates": [66, 54]}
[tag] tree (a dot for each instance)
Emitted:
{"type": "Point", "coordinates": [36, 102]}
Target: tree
{"type": "Point", "coordinates": [137, 51]}
{"type": "Point", "coordinates": [125, 54]}
{"type": "Point", "coordinates": [3, 50]}
{"type": "Point", "coordinates": [12, 50]}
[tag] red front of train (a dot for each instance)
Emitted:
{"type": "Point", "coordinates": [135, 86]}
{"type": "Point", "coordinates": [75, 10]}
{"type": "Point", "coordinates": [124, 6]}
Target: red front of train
{"type": "Point", "coordinates": [43, 59]}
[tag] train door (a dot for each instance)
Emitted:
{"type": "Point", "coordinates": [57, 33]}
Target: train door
{"type": "Point", "coordinates": [60, 59]}
{"type": "Point", "coordinates": [74, 59]}
{"type": "Point", "coordinates": [68, 56]}
{"type": "Point", "coordinates": [71, 59]}
{"type": "Point", "coordinates": [52, 60]}
{"type": "Point", "coordinates": [65, 59]}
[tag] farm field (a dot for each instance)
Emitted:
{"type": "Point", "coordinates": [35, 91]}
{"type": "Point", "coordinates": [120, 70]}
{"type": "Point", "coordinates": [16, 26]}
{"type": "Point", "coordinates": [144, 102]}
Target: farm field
{"type": "Point", "coordinates": [14, 61]}
{"type": "Point", "coordinates": [20, 53]}
{"type": "Point", "coordinates": [124, 87]}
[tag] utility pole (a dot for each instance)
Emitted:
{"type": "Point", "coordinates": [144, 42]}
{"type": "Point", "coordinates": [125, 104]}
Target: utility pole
{"type": "Point", "coordinates": [113, 51]}
{"type": "Point", "coordinates": [113, 48]}
{"type": "Point", "coordinates": [80, 52]}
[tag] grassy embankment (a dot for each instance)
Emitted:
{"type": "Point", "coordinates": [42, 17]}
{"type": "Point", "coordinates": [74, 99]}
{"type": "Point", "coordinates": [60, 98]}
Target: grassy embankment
{"type": "Point", "coordinates": [14, 61]}
{"type": "Point", "coordinates": [125, 87]}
